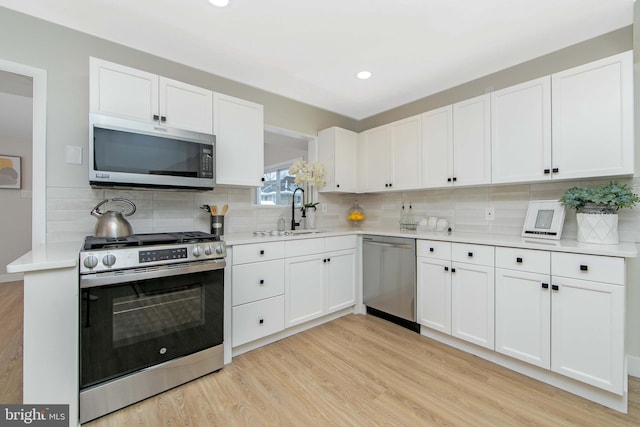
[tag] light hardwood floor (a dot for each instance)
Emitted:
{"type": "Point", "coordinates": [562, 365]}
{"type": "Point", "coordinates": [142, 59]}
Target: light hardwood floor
{"type": "Point", "coordinates": [11, 303]}
{"type": "Point", "coordinates": [357, 371]}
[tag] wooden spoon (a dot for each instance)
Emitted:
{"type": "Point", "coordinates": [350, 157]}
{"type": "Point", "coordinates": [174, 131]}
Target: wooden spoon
{"type": "Point", "coordinates": [214, 210]}
{"type": "Point", "coordinates": [225, 209]}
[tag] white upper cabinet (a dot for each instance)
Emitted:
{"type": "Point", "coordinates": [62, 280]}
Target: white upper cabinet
{"type": "Point", "coordinates": [437, 147]}
{"type": "Point", "coordinates": [338, 153]}
{"type": "Point", "coordinates": [117, 90]}
{"type": "Point", "coordinates": [239, 130]}
{"type": "Point", "coordinates": [472, 141]}
{"type": "Point", "coordinates": [592, 109]}
{"type": "Point", "coordinates": [521, 132]}
{"type": "Point", "coordinates": [391, 156]}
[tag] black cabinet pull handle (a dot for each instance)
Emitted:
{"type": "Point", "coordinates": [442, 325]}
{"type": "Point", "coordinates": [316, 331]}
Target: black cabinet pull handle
{"type": "Point", "coordinates": [469, 254]}
{"type": "Point", "coordinates": [455, 179]}
{"type": "Point", "coordinates": [261, 251]}
{"type": "Point", "coordinates": [261, 321]}
{"type": "Point", "coordinates": [430, 249]}
{"type": "Point", "coordinates": [584, 267]}
{"type": "Point", "coordinates": [547, 171]}
{"type": "Point", "coordinates": [555, 287]}
{"type": "Point", "coordinates": [337, 185]}
{"type": "Point", "coordinates": [555, 170]}
{"type": "Point", "coordinates": [262, 281]}
{"type": "Point", "coordinates": [163, 118]}
{"type": "Point", "coordinates": [324, 260]}
{"type": "Point", "coordinates": [453, 270]}
{"type": "Point", "coordinates": [518, 260]}
{"type": "Point", "coordinates": [446, 269]}
{"type": "Point", "coordinates": [390, 184]}
{"type": "Point", "coordinates": [448, 179]}
{"type": "Point", "coordinates": [328, 259]}
{"type": "Point", "coordinates": [156, 117]}
{"type": "Point", "coordinates": [262, 179]}
{"type": "Point", "coordinates": [545, 286]}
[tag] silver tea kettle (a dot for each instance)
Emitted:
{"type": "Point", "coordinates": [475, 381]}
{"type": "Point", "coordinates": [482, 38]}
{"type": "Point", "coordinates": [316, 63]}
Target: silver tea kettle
{"type": "Point", "coordinates": [112, 223]}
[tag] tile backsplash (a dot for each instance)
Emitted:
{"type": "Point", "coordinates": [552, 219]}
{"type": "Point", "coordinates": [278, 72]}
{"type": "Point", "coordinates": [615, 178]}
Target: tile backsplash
{"type": "Point", "coordinates": [69, 219]}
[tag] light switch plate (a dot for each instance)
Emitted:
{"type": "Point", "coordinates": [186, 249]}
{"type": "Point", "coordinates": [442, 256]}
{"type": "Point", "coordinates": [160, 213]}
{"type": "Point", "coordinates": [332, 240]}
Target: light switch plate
{"type": "Point", "coordinates": [73, 155]}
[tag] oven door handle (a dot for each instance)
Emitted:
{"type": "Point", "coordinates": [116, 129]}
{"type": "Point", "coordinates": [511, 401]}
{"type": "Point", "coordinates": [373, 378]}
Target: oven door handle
{"type": "Point", "coordinates": [112, 278]}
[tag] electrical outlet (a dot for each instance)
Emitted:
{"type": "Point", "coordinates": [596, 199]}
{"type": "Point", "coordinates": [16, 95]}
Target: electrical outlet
{"type": "Point", "coordinates": [323, 207]}
{"type": "Point", "coordinates": [489, 214]}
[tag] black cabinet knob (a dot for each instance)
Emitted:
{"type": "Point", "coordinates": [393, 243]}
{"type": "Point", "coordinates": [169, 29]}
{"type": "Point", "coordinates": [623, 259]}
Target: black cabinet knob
{"type": "Point", "coordinates": [337, 185]}
{"type": "Point", "coordinates": [547, 171]}
{"type": "Point", "coordinates": [262, 281]}
{"type": "Point", "coordinates": [470, 254]}
{"type": "Point", "coordinates": [584, 267]}
{"type": "Point", "coordinates": [262, 179]}
{"type": "Point", "coordinates": [519, 260]}
{"type": "Point", "coordinates": [448, 179]}
{"type": "Point", "coordinates": [324, 260]}
{"type": "Point", "coordinates": [261, 321]}
{"type": "Point", "coordinates": [446, 269]}
{"type": "Point", "coordinates": [545, 286]}
{"type": "Point", "coordinates": [455, 179]}
{"type": "Point", "coordinates": [156, 117]}
{"type": "Point", "coordinates": [453, 270]}
{"type": "Point", "coordinates": [555, 287]}
{"type": "Point", "coordinates": [261, 251]}
{"type": "Point", "coordinates": [555, 170]}
{"type": "Point", "coordinates": [163, 119]}
{"type": "Point", "coordinates": [390, 184]}
{"type": "Point", "coordinates": [430, 249]}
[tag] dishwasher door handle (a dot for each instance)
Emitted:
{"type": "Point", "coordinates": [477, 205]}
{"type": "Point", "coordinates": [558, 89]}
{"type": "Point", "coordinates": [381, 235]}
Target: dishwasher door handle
{"type": "Point", "coordinates": [388, 245]}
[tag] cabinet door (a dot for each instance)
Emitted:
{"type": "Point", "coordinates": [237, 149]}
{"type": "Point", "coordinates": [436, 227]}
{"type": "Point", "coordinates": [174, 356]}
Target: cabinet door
{"type": "Point", "coordinates": [341, 280]}
{"type": "Point", "coordinates": [523, 316]}
{"type": "Point", "coordinates": [239, 129]}
{"type": "Point", "coordinates": [437, 147]}
{"type": "Point", "coordinates": [375, 159]}
{"type": "Point", "coordinates": [256, 320]}
{"type": "Point", "coordinates": [521, 132]}
{"type": "Point", "coordinates": [338, 153]}
{"type": "Point", "coordinates": [593, 118]}
{"type": "Point", "coordinates": [472, 141]}
{"type": "Point", "coordinates": [116, 90]}
{"type": "Point", "coordinates": [434, 294]}
{"type": "Point", "coordinates": [185, 106]}
{"type": "Point", "coordinates": [587, 332]}
{"type": "Point", "coordinates": [406, 154]}
{"type": "Point", "coordinates": [304, 290]}
{"type": "Point", "coordinates": [472, 303]}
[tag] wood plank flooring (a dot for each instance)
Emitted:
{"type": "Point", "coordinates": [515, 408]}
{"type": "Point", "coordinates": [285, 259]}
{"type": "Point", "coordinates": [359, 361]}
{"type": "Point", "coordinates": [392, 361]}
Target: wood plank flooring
{"type": "Point", "coordinates": [11, 315]}
{"type": "Point", "coordinates": [356, 371]}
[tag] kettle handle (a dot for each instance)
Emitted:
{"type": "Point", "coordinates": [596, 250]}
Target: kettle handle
{"type": "Point", "coordinates": [95, 212]}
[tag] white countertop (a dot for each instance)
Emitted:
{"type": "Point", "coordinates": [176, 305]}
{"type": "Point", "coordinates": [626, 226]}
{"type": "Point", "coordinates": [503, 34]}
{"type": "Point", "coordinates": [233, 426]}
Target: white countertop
{"type": "Point", "coordinates": [47, 257]}
{"type": "Point", "coordinates": [624, 249]}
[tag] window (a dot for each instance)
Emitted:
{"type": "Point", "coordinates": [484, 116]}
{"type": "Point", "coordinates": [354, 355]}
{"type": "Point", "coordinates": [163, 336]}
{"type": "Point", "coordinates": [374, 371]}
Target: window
{"type": "Point", "coordinates": [278, 186]}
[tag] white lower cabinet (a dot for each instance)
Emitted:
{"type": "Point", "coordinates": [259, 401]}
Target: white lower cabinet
{"type": "Point", "coordinates": [304, 287]}
{"type": "Point", "coordinates": [257, 319]}
{"type": "Point", "coordinates": [456, 297]}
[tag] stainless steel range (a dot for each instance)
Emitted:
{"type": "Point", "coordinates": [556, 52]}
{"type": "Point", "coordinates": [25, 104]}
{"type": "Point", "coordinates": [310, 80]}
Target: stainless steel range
{"type": "Point", "coordinates": [152, 308]}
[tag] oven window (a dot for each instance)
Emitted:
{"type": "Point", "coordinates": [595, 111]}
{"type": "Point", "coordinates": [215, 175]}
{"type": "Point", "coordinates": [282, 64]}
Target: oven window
{"type": "Point", "coordinates": [152, 314]}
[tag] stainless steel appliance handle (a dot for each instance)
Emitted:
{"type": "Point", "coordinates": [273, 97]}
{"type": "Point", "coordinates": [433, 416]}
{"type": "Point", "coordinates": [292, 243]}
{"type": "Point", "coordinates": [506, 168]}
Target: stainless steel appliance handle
{"type": "Point", "coordinates": [135, 274]}
{"type": "Point", "coordinates": [388, 245]}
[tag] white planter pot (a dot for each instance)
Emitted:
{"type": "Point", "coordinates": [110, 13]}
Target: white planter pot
{"type": "Point", "coordinates": [598, 228]}
{"type": "Point", "coordinates": [310, 220]}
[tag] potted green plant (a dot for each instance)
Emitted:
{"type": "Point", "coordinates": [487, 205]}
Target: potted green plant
{"type": "Point", "coordinates": [597, 210]}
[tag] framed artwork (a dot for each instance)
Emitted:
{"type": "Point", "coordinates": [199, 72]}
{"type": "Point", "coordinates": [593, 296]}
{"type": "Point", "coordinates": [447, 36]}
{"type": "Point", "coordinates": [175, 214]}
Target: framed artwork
{"type": "Point", "coordinates": [544, 220]}
{"type": "Point", "coordinates": [10, 175]}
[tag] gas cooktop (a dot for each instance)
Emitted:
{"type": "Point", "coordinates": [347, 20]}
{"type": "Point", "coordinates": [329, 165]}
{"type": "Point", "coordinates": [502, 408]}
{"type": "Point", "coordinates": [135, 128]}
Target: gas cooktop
{"type": "Point", "coordinates": [91, 242]}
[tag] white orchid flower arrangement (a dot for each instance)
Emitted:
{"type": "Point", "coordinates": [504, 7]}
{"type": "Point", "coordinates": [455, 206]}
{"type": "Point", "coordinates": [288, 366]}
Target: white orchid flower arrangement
{"type": "Point", "coordinates": [308, 175]}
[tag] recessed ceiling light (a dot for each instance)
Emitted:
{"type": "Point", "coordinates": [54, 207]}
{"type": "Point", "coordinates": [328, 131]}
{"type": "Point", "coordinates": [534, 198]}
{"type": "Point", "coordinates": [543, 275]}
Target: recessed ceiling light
{"type": "Point", "coordinates": [363, 75]}
{"type": "Point", "coordinates": [219, 3]}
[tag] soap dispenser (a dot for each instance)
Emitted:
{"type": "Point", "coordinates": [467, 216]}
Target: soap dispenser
{"type": "Point", "coordinates": [281, 223]}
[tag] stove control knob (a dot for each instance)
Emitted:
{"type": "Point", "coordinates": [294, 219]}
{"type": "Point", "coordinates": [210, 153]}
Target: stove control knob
{"type": "Point", "coordinates": [91, 261]}
{"type": "Point", "coordinates": [197, 251]}
{"type": "Point", "coordinates": [219, 249]}
{"type": "Point", "coordinates": [208, 250]}
{"type": "Point", "coordinates": [109, 260]}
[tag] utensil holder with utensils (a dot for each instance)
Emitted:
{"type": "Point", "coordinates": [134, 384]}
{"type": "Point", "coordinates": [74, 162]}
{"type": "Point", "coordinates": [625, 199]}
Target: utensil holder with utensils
{"type": "Point", "coordinates": [217, 218]}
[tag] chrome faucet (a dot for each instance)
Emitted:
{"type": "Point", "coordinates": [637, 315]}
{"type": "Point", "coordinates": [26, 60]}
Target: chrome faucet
{"type": "Point", "coordinates": [293, 208]}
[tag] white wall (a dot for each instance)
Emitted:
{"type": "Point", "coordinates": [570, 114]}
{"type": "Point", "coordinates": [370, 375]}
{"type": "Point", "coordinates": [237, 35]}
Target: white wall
{"type": "Point", "coordinates": [15, 205]}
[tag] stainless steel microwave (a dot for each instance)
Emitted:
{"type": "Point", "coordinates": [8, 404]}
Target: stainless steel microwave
{"type": "Point", "coordinates": [126, 153]}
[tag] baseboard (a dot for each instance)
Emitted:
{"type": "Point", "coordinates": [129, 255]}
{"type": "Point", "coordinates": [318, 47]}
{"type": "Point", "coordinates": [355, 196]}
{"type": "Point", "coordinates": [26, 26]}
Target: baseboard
{"type": "Point", "coordinates": [633, 366]}
{"type": "Point", "coordinates": [11, 277]}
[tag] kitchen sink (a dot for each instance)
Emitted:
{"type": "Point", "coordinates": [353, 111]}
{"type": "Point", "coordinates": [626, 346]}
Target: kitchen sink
{"type": "Point", "coordinates": [287, 232]}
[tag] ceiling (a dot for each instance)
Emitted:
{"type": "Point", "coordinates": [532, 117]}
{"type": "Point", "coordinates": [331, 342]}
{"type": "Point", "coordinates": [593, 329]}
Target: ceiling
{"type": "Point", "coordinates": [311, 51]}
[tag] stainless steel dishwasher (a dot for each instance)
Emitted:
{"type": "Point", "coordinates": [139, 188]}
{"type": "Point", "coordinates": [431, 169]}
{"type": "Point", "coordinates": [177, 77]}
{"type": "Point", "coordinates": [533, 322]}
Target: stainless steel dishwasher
{"type": "Point", "coordinates": [389, 278]}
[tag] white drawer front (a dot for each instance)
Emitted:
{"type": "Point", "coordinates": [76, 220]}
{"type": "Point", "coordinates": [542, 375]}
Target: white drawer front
{"type": "Point", "coordinates": [588, 267]}
{"type": "Point", "coordinates": [433, 249]}
{"type": "Point", "coordinates": [257, 319]}
{"type": "Point", "coordinates": [260, 280]}
{"type": "Point", "coordinates": [472, 254]}
{"type": "Point", "coordinates": [304, 247]}
{"type": "Point", "coordinates": [243, 254]}
{"type": "Point", "coordinates": [340, 243]}
{"type": "Point", "coordinates": [524, 260]}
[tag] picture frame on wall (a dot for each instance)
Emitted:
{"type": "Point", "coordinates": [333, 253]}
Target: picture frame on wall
{"type": "Point", "coordinates": [10, 172]}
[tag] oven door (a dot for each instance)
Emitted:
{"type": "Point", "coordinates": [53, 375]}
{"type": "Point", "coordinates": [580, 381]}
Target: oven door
{"type": "Point", "coordinates": [133, 320]}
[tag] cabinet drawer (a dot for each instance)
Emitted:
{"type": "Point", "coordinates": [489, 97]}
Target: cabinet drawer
{"type": "Point", "coordinates": [304, 247]}
{"type": "Point", "coordinates": [340, 243]}
{"type": "Point", "coordinates": [472, 254]}
{"type": "Point", "coordinates": [524, 260]}
{"type": "Point", "coordinates": [243, 254]}
{"type": "Point", "coordinates": [433, 249]}
{"type": "Point", "coordinates": [588, 267]}
{"type": "Point", "coordinates": [260, 280]}
{"type": "Point", "coordinates": [257, 319]}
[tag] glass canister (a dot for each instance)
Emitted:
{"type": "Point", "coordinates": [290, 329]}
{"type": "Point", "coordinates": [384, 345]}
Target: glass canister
{"type": "Point", "coordinates": [355, 216]}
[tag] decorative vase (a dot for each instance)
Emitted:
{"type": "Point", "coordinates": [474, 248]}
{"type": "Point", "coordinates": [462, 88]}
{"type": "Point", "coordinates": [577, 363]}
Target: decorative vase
{"type": "Point", "coordinates": [599, 228]}
{"type": "Point", "coordinates": [310, 220]}
{"type": "Point", "coordinates": [355, 215]}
